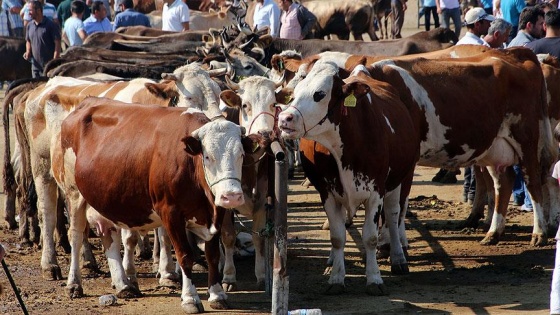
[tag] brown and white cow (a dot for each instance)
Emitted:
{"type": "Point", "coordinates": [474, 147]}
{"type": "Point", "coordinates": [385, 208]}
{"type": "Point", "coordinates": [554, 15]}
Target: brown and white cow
{"type": "Point", "coordinates": [178, 179]}
{"type": "Point", "coordinates": [188, 86]}
{"type": "Point", "coordinates": [367, 130]}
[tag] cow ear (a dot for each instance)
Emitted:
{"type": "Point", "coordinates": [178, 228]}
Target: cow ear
{"type": "Point", "coordinates": [284, 96]}
{"type": "Point", "coordinates": [221, 15]}
{"type": "Point", "coordinates": [265, 41]}
{"type": "Point", "coordinates": [230, 98]}
{"type": "Point", "coordinates": [357, 88]}
{"type": "Point", "coordinates": [157, 89]}
{"type": "Point", "coordinates": [192, 145]}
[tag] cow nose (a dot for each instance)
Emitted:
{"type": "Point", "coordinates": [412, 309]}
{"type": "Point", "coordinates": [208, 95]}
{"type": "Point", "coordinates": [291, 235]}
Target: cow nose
{"type": "Point", "coordinates": [232, 199]}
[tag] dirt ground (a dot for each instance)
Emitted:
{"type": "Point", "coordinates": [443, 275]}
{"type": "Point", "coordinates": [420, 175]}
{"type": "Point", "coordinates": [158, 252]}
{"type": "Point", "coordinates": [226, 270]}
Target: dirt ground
{"type": "Point", "coordinates": [450, 272]}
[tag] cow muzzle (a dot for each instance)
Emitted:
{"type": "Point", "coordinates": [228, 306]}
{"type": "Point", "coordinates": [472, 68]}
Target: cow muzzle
{"type": "Point", "coordinates": [287, 124]}
{"type": "Point", "coordinates": [230, 199]}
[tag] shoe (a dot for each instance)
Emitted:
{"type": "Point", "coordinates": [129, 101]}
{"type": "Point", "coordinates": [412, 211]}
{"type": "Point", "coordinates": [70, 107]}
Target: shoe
{"type": "Point", "coordinates": [526, 208]}
{"type": "Point", "coordinates": [517, 203]}
{"type": "Point", "coordinates": [465, 198]}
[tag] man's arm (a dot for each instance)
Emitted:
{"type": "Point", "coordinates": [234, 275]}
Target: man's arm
{"type": "Point", "coordinates": [185, 26]}
{"type": "Point", "coordinates": [27, 52]}
{"type": "Point", "coordinates": [310, 20]}
{"type": "Point", "coordinates": [57, 48]}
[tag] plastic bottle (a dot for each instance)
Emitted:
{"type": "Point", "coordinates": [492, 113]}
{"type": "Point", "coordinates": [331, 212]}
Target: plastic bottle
{"type": "Point", "coordinates": [107, 299]}
{"type": "Point", "coordinates": [311, 311]}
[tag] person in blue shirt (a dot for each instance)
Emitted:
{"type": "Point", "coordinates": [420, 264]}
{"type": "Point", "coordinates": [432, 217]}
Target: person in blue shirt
{"type": "Point", "coordinates": [98, 21]}
{"type": "Point", "coordinates": [128, 16]}
{"type": "Point", "coordinates": [74, 33]}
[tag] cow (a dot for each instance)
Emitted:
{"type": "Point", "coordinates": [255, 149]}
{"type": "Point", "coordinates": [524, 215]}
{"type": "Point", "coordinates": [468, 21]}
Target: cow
{"type": "Point", "coordinates": [181, 179]}
{"type": "Point", "coordinates": [188, 86]}
{"type": "Point", "coordinates": [141, 30]}
{"type": "Point", "coordinates": [367, 130]}
{"type": "Point", "coordinates": [255, 98]}
{"type": "Point", "coordinates": [342, 18]}
{"type": "Point", "coordinates": [13, 65]}
{"type": "Point", "coordinates": [174, 42]}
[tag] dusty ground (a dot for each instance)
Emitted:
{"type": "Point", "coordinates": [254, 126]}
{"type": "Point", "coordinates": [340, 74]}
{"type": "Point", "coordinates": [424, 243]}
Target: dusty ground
{"type": "Point", "coordinates": [450, 272]}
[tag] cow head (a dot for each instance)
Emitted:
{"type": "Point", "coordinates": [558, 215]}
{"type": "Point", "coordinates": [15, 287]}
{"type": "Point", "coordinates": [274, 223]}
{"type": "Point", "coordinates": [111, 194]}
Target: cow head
{"type": "Point", "coordinates": [309, 109]}
{"type": "Point", "coordinates": [243, 65]}
{"type": "Point", "coordinates": [256, 100]}
{"type": "Point", "coordinates": [195, 89]}
{"type": "Point", "coordinates": [222, 148]}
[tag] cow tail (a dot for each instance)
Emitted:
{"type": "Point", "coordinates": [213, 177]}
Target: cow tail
{"type": "Point", "coordinates": [549, 151]}
{"type": "Point", "coordinates": [9, 177]}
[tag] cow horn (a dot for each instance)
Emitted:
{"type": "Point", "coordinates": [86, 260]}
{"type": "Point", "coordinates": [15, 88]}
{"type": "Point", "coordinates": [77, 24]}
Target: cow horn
{"type": "Point", "coordinates": [281, 81]}
{"type": "Point", "coordinates": [217, 72]}
{"type": "Point", "coordinates": [232, 85]}
{"type": "Point", "coordinates": [247, 43]}
{"type": "Point", "coordinates": [227, 55]}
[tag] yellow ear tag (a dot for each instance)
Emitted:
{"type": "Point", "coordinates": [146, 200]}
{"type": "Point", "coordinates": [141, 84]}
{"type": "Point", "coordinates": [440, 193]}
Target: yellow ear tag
{"type": "Point", "coordinates": [350, 101]}
{"type": "Point", "coordinates": [281, 65]}
{"type": "Point", "coordinates": [287, 99]}
{"type": "Point", "coordinates": [255, 147]}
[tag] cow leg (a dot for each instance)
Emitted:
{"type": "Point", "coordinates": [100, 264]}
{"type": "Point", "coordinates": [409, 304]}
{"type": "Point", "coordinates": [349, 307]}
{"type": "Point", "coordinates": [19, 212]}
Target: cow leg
{"type": "Point", "coordinates": [88, 259]}
{"type": "Point", "coordinates": [166, 268]}
{"type": "Point", "coordinates": [535, 189]}
{"type": "Point", "coordinates": [156, 252]}
{"type": "Point", "coordinates": [392, 210]}
{"type": "Point", "coordinates": [78, 224]}
{"type": "Point", "coordinates": [111, 239]}
{"type": "Point", "coordinates": [374, 282]}
{"type": "Point", "coordinates": [130, 240]}
{"type": "Point", "coordinates": [216, 295]}
{"type": "Point", "coordinates": [144, 248]}
{"type": "Point", "coordinates": [503, 183]}
{"type": "Point", "coordinates": [336, 217]}
{"type": "Point", "coordinates": [259, 224]}
{"type": "Point", "coordinates": [46, 205]}
{"type": "Point", "coordinates": [61, 232]}
{"type": "Point", "coordinates": [229, 280]}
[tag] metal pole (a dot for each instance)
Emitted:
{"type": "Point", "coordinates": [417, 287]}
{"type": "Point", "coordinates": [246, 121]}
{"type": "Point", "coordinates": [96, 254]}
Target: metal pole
{"type": "Point", "coordinates": [280, 290]}
{"type": "Point", "coordinates": [12, 283]}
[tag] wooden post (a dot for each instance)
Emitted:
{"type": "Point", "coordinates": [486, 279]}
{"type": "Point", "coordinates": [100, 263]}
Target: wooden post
{"type": "Point", "coordinates": [280, 287]}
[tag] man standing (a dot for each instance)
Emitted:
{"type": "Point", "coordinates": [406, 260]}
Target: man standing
{"type": "Point", "coordinates": [498, 33]}
{"type": "Point", "coordinates": [98, 21]}
{"type": "Point", "coordinates": [74, 33]}
{"type": "Point", "coordinates": [397, 9]}
{"type": "Point", "coordinates": [550, 43]}
{"type": "Point", "coordinates": [42, 40]}
{"type": "Point", "coordinates": [15, 23]}
{"type": "Point", "coordinates": [175, 16]}
{"type": "Point", "coordinates": [267, 13]}
{"type": "Point", "coordinates": [64, 11]}
{"type": "Point", "coordinates": [450, 9]}
{"type": "Point", "coordinates": [531, 26]}
{"type": "Point", "coordinates": [128, 16]}
{"type": "Point", "coordinates": [296, 21]}
{"type": "Point", "coordinates": [478, 23]}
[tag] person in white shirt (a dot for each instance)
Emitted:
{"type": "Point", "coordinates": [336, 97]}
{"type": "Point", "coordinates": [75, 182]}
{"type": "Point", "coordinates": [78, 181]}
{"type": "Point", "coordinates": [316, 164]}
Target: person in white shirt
{"type": "Point", "coordinates": [267, 13]}
{"type": "Point", "coordinates": [478, 23]}
{"type": "Point", "coordinates": [175, 16]}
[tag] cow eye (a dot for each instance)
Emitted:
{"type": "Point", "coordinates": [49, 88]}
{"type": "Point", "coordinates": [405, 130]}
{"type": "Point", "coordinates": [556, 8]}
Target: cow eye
{"type": "Point", "coordinates": [248, 67]}
{"type": "Point", "coordinates": [318, 96]}
{"type": "Point", "coordinates": [244, 106]}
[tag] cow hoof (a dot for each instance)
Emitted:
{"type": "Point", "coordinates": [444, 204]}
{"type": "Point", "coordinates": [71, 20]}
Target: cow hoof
{"type": "Point", "coordinates": [129, 292]}
{"type": "Point", "coordinates": [169, 283]}
{"type": "Point", "coordinates": [326, 225]}
{"type": "Point", "coordinates": [192, 308]}
{"type": "Point", "coordinates": [471, 222]}
{"type": "Point", "coordinates": [538, 240]}
{"type": "Point", "coordinates": [377, 289]}
{"type": "Point", "coordinates": [74, 291]}
{"type": "Point", "coordinates": [490, 239]}
{"type": "Point", "coordinates": [335, 289]}
{"type": "Point", "coordinates": [229, 287]}
{"type": "Point", "coordinates": [219, 305]}
{"type": "Point", "coordinates": [400, 269]}
{"type": "Point", "coordinates": [52, 273]}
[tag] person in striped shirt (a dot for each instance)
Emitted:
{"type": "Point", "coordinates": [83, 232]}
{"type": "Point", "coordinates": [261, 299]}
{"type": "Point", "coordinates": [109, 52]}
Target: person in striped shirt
{"type": "Point", "coordinates": [49, 11]}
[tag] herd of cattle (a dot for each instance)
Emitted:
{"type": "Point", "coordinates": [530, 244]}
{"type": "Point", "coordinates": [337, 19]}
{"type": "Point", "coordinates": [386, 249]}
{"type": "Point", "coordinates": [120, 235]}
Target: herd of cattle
{"type": "Point", "coordinates": [178, 143]}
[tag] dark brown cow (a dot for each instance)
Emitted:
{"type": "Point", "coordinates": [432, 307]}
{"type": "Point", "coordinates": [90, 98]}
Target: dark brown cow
{"type": "Point", "coordinates": [165, 182]}
{"type": "Point", "coordinates": [369, 134]}
{"type": "Point", "coordinates": [141, 30]}
{"type": "Point", "coordinates": [13, 65]}
{"type": "Point", "coordinates": [174, 42]}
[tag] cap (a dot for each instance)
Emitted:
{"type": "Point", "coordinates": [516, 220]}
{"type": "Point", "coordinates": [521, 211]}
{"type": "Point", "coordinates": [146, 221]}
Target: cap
{"type": "Point", "coordinates": [119, 2]}
{"type": "Point", "coordinates": [476, 14]}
